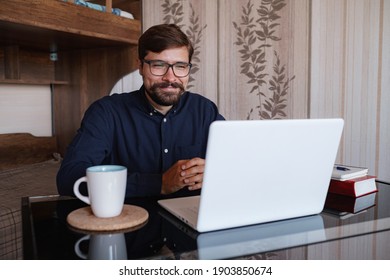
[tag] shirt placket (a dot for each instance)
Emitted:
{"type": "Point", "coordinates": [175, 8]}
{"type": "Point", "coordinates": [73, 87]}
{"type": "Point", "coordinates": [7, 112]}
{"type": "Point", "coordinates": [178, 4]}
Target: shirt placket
{"type": "Point", "coordinates": [166, 143]}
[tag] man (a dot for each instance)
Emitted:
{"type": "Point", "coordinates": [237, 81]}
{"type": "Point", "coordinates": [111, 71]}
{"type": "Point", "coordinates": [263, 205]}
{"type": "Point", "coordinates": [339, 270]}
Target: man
{"type": "Point", "coordinates": [158, 132]}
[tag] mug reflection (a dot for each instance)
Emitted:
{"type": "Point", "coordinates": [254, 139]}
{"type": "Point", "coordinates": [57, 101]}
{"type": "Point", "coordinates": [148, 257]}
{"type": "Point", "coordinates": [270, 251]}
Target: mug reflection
{"type": "Point", "coordinates": [110, 246]}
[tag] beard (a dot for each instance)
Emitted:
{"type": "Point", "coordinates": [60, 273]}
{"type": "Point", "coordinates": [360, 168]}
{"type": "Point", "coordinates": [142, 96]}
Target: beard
{"type": "Point", "coordinates": [164, 97]}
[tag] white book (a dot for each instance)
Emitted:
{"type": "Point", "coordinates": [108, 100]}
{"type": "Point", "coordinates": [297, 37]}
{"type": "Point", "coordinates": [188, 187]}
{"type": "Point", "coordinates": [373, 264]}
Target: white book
{"type": "Point", "coordinates": [345, 172]}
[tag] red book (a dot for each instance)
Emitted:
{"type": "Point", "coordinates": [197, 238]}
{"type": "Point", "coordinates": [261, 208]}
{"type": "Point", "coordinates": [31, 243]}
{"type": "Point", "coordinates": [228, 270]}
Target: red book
{"type": "Point", "coordinates": [346, 204]}
{"type": "Point", "coordinates": [354, 187]}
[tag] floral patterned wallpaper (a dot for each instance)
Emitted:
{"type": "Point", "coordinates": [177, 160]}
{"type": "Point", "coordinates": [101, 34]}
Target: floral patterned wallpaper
{"type": "Point", "coordinates": [255, 34]}
{"type": "Point", "coordinates": [246, 58]}
{"type": "Point", "coordinates": [275, 59]}
{"type": "Point", "coordinates": [174, 13]}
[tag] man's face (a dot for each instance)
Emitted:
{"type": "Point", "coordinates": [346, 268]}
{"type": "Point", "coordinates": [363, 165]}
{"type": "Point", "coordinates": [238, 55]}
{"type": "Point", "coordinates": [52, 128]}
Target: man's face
{"type": "Point", "coordinates": [165, 90]}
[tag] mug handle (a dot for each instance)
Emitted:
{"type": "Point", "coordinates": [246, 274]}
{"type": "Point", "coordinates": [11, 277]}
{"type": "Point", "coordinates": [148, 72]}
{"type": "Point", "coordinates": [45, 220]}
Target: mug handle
{"type": "Point", "coordinates": [77, 191]}
{"type": "Point", "coordinates": [77, 250]}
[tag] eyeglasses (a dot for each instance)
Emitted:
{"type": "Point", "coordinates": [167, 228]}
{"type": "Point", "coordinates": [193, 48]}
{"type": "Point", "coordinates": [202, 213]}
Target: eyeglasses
{"type": "Point", "coordinates": [160, 68]}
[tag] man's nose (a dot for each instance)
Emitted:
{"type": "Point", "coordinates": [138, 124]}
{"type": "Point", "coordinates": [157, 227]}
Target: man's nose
{"type": "Point", "coordinates": [170, 75]}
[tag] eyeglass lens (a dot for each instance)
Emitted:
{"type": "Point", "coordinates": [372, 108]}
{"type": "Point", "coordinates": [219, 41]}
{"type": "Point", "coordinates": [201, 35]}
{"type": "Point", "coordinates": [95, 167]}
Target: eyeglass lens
{"type": "Point", "coordinates": [160, 68]}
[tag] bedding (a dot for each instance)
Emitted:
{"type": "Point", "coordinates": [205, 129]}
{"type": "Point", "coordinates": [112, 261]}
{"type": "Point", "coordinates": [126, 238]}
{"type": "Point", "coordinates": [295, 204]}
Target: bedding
{"type": "Point", "coordinates": [29, 180]}
{"type": "Point", "coordinates": [101, 8]}
{"type": "Point", "coordinates": [28, 167]}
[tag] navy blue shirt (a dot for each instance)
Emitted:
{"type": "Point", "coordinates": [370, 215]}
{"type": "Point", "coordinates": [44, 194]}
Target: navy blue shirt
{"type": "Point", "coordinates": [125, 129]}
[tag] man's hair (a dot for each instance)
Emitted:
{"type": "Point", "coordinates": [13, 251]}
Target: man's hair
{"type": "Point", "coordinates": [162, 37]}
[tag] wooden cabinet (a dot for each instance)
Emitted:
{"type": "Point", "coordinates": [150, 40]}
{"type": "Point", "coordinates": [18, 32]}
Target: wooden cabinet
{"type": "Point", "coordinates": [79, 51]}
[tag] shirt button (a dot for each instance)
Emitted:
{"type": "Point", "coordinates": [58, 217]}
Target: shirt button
{"type": "Point", "coordinates": [165, 120]}
{"type": "Point", "coordinates": [151, 113]}
{"type": "Point", "coordinates": [166, 151]}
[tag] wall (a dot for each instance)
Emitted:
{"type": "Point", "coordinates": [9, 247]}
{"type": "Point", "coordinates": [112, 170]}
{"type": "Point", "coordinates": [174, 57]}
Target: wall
{"type": "Point", "coordinates": [240, 54]}
{"type": "Point", "coordinates": [26, 108]}
{"type": "Point", "coordinates": [350, 70]}
{"type": "Point", "coordinates": [262, 59]}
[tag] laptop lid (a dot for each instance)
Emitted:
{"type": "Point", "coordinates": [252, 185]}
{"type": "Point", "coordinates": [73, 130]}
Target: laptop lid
{"type": "Point", "coordinates": [268, 170]}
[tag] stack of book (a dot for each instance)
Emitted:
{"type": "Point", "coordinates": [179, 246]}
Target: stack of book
{"type": "Point", "coordinates": [351, 189]}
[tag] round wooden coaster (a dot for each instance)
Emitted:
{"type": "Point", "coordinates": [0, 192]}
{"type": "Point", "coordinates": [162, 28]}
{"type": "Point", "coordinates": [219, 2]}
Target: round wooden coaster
{"type": "Point", "coordinates": [131, 216]}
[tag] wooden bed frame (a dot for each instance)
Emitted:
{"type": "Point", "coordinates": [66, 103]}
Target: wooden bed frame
{"type": "Point", "coordinates": [20, 149]}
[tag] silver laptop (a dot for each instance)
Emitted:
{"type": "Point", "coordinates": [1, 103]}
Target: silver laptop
{"type": "Point", "coordinates": [261, 171]}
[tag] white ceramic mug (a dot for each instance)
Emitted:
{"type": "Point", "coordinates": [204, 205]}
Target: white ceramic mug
{"type": "Point", "coordinates": [110, 246]}
{"type": "Point", "coordinates": [106, 186]}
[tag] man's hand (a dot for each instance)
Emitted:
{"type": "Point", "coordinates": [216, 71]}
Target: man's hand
{"type": "Point", "coordinates": [183, 173]}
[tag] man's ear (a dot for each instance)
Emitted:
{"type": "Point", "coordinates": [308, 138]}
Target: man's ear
{"type": "Point", "coordinates": [140, 66]}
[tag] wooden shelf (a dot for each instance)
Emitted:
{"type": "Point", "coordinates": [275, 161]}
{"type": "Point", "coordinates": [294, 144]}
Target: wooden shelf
{"type": "Point", "coordinates": [95, 49]}
{"type": "Point", "coordinates": [33, 82]}
{"type": "Point", "coordinates": [42, 24]}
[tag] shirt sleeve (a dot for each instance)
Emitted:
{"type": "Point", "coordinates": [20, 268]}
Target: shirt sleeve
{"type": "Point", "coordinates": [92, 146]}
{"type": "Point", "coordinates": [88, 148]}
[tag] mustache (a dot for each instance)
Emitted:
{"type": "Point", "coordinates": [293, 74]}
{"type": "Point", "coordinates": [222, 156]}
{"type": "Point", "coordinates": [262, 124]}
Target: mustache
{"type": "Point", "coordinates": [167, 84]}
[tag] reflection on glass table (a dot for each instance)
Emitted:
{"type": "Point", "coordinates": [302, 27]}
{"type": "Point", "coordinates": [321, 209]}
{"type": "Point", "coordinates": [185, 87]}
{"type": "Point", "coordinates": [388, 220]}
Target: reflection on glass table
{"type": "Point", "coordinates": [46, 235]}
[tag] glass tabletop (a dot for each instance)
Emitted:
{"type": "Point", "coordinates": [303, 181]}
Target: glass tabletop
{"type": "Point", "coordinates": [47, 235]}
